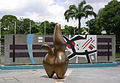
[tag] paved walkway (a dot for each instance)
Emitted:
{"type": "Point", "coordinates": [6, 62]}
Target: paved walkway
{"type": "Point", "coordinates": [80, 75]}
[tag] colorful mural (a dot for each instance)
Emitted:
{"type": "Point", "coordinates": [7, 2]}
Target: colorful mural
{"type": "Point", "coordinates": [82, 46]}
{"type": "Point", "coordinates": [79, 48]}
{"type": "Point", "coordinates": [29, 45]}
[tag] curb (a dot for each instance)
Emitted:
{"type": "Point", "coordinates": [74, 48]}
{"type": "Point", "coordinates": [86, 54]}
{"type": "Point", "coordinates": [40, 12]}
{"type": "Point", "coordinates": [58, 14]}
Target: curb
{"type": "Point", "coordinates": [3, 67]}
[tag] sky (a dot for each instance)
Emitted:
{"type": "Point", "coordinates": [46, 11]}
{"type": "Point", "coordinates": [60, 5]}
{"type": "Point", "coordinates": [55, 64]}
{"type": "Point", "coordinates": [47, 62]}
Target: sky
{"type": "Point", "coordinates": [41, 10]}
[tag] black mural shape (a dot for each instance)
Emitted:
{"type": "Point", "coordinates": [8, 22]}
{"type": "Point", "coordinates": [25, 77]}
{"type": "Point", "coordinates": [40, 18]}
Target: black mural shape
{"type": "Point", "coordinates": [73, 49]}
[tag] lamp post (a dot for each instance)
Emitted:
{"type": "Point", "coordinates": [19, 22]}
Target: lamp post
{"type": "Point", "coordinates": [15, 28]}
{"type": "Point", "coordinates": [88, 28]}
{"type": "Point", "coordinates": [0, 30]}
{"type": "Point", "coordinates": [14, 42]}
{"type": "Point", "coordinates": [0, 38]}
{"type": "Point", "coordinates": [30, 26]}
{"type": "Point", "coordinates": [44, 28]}
{"type": "Point", "coordinates": [74, 26]}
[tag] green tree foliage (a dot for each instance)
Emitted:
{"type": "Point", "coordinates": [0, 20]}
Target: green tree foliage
{"type": "Point", "coordinates": [23, 26]}
{"type": "Point", "coordinates": [69, 30]}
{"type": "Point", "coordinates": [47, 28]}
{"type": "Point", "coordinates": [51, 28]}
{"type": "Point", "coordinates": [109, 18]}
{"type": "Point", "coordinates": [34, 29]}
{"type": "Point", "coordinates": [8, 24]}
{"type": "Point", "coordinates": [94, 27]}
{"type": "Point", "coordinates": [79, 12]}
{"type": "Point", "coordinates": [8, 21]}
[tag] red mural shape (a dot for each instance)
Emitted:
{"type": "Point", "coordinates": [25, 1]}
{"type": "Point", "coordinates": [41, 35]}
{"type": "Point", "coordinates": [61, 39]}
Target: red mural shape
{"type": "Point", "coordinates": [90, 47]}
{"type": "Point", "coordinates": [68, 45]}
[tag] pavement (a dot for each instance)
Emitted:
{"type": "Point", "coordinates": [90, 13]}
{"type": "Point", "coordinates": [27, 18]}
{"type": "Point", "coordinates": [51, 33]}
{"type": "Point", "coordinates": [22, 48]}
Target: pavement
{"type": "Point", "coordinates": [73, 75]}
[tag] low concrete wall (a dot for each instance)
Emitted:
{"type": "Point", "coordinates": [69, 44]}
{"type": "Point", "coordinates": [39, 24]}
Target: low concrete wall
{"type": "Point", "coordinates": [22, 51]}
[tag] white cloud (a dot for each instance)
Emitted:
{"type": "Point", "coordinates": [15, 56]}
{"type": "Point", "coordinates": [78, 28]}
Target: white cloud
{"type": "Point", "coordinates": [32, 15]}
{"type": "Point", "coordinates": [16, 5]}
{"type": "Point", "coordinates": [41, 10]}
{"type": "Point", "coordinates": [12, 5]}
{"type": "Point", "coordinates": [25, 7]}
{"type": "Point", "coordinates": [98, 6]}
{"type": "Point", "coordinates": [56, 9]}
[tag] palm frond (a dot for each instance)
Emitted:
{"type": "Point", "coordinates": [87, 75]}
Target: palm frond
{"type": "Point", "coordinates": [82, 14]}
{"type": "Point", "coordinates": [100, 12]}
{"type": "Point", "coordinates": [88, 7]}
{"type": "Point", "coordinates": [70, 13]}
{"type": "Point", "coordinates": [67, 11]}
{"type": "Point", "coordinates": [69, 16]}
{"type": "Point", "coordinates": [73, 8]}
{"type": "Point", "coordinates": [91, 13]}
{"type": "Point", "coordinates": [80, 6]}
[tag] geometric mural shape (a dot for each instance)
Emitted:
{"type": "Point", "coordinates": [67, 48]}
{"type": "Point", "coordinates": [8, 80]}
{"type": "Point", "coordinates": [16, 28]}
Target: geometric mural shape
{"type": "Point", "coordinates": [29, 45]}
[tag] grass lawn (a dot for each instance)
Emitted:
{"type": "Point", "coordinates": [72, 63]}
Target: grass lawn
{"type": "Point", "coordinates": [117, 54]}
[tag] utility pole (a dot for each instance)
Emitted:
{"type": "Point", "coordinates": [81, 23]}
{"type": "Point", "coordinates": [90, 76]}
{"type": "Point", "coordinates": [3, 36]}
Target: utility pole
{"type": "Point", "coordinates": [44, 28]}
{"type": "Point", "coordinates": [14, 42]}
{"type": "Point", "coordinates": [30, 26]}
{"type": "Point", "coordinates": [15, 28]}
{"type": "Point", "coordinates": [74, 26]}
{"type": "Point", "coordinates": [0, 38]}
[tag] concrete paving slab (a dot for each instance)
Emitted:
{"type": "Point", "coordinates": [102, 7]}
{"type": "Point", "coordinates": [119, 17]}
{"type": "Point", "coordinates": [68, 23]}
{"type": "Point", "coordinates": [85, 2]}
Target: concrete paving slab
{"type": "Point", "coordinates": [74, 75]}
{"type": "Point", "coordinates": [94, 75]}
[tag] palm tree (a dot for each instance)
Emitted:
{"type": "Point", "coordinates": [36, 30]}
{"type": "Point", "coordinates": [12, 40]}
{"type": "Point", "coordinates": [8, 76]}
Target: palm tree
{"type": "Point", "coordinates": [79, 12]}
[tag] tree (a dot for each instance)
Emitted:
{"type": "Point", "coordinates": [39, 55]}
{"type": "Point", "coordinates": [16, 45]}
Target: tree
{"type": "Point", "coordinates": [94, 27]}
{"type": "Point", "coordinates": [47, 28]}
{"type": "Point", "coordinates": [8, 24]}
{"type": "Point", "coordinates": [51, 28]}
{"type": "Point", "coordinates": [8, 21]}
{"type": "Point", "coordinates": [24, 26]}
{"type": "Point", "coordinates": [109, 18]}
{"type": "Point", "coordinates": [34, 29]}
{"type": "Point", "coordinates": [69, 30]}
{"type": "Point", "coordinates": [79, 12]}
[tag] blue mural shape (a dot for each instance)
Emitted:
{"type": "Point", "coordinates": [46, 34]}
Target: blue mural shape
{"type": "Point", "coordinates": [30, 38]}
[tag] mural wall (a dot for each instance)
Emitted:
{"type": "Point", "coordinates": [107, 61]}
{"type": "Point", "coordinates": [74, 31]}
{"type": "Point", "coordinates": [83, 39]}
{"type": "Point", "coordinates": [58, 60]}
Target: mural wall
{"type": "Point", "coordinates": [82, 46]}
{"type": "Point", "coordinates": [80, 49]}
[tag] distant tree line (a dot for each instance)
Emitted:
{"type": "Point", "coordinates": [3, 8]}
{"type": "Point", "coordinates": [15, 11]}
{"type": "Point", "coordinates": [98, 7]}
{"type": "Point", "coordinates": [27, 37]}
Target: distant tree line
{"type": "Point", "coordinates": [10, 23]}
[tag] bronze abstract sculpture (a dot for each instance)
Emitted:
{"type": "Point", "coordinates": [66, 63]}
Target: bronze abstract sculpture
{"type": "Point", "coordinates": [56, 60]}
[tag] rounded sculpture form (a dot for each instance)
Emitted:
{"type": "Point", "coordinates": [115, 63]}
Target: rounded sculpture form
{"type": "Point", "coordinates": [56, 60]}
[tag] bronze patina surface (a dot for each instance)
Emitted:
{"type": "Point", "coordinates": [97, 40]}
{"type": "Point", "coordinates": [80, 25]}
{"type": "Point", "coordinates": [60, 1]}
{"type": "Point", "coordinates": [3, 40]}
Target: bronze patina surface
{"type": "Point", "coordinates": [56, 60]}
